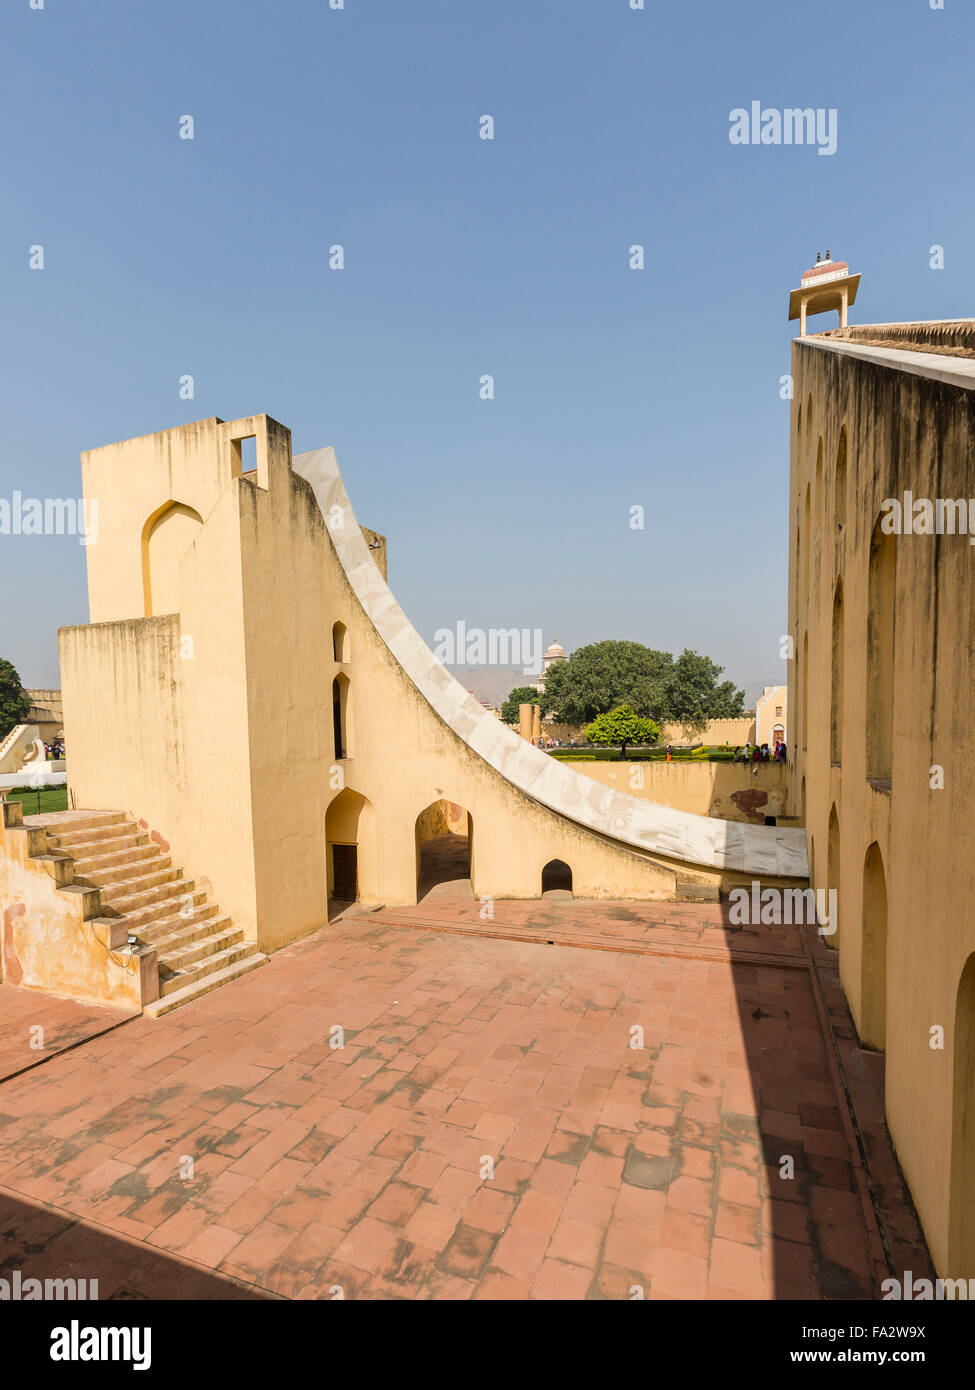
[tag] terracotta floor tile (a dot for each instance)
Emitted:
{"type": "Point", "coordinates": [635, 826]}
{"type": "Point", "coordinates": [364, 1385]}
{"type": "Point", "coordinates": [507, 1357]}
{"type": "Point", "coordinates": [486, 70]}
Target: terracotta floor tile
{"type": "Point", "coordinates": [557, 1280]}
{"type": "Point", "coordinates": [365, 1169]}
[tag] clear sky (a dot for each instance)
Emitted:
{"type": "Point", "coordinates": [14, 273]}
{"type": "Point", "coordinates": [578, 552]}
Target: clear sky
{"type": "Point", "coordinates": [464, 257]}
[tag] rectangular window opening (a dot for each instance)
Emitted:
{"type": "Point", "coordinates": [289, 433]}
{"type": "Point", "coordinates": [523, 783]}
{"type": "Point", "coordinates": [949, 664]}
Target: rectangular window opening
{"type": "Point", "coordinates": [248, 453]}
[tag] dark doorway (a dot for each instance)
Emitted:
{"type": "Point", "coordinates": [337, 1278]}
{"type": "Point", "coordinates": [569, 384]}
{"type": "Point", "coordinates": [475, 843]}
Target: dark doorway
{"type": "Point", "coordinates": [556, 877]}
{"type": "Point", "coordinates": [345, 873]}
{"type": "Point", "coordinates": [444, 837]}
{"type": "Point", "coordinates": [337, 720]}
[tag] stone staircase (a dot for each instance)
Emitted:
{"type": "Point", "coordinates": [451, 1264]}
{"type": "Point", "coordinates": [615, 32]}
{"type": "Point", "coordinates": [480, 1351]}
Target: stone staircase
{"type": "Point", "coordinates": [198, 949]}
{"type": "Point", "coordinates": [11, 738]}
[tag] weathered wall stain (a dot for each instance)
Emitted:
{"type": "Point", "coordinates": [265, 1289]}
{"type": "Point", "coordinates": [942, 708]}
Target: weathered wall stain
{"type": "Point", "coordinates": [13, 973]}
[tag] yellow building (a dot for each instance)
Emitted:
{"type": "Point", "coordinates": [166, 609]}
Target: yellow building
{"type": "Point", "coordinates": [882, 615]}
{"type": "Point", "coordinates": [771, 709]}
{"type": "Point", "coordinates": [255, 729]}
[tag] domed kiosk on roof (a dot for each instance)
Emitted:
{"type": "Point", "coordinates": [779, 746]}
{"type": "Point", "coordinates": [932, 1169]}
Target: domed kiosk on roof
{"type": "Point", "coordinates": [826, 285]}
{"type": "Point", "coordinates": [553, 654]}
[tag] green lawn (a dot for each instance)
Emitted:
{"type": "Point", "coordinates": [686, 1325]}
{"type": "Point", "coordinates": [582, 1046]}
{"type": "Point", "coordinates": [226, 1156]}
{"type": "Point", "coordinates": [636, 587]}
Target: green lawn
{"type": "Point", "coordinates": [44, 799]}
{"type": "Point", "coordinates": [715, 754]}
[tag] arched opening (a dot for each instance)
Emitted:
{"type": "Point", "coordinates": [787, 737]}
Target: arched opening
{"type": "Point", "coordinates": [166, 536]}
{"type": "Point", "coordinates": [804, 687]}
{"type": "Point", "coordinates": [832, 938]}
{"type": "Point", "coordinates": [819, 495]}
{"type": "Point", "coordinates": [873, 961]}
{"type": "Point", "coordinates": [345, 822]}
{"type": "Point", "coordinates": [556, 879]}
{"type": "Point", "coordinates": [444, 838]}
{"type": "Point", "coordinates": [961, 1237]}
{"type": "Point", "coordinates": [839, 486]}
{"type": "Point", "coordinates": [809, 413]}
{"type": "Point", "coordinates": [880, 658]}
{"type": "Point", "coordinates": [340, 642]}
{"type": "Point", "coordinates": [802, 800]}
{"type": "Point", "coordinates": [836, 703]}
{"type": "Point", "coordinates": [341, 722]}
{"type": "Point", "coordinates": [778, 736]}
{"type": "Point", "coordinates": [804, 594]}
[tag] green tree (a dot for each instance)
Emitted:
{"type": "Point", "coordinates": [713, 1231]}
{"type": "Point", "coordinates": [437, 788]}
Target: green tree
{"type": "Point", "coordinates": [604, 676]}
{"type": "Point", "coordinates": [694, 696]}
{"type": "Point", "coordinates": [14, 700]}
{"type": "Point", "coordinates": [621, 726]}
{"type": "Point", "coordinates": [521, 695]}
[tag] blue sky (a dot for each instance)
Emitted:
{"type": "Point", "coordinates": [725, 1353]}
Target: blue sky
{"type": "Point", "coordinates": [463, 256]}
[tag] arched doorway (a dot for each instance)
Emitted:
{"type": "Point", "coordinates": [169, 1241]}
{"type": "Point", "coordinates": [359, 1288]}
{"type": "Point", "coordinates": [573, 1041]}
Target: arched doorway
{"type": "Point", "coordinates": [556, 879]}
{"type": "Point", "coordinates": [345, 822]}
{"type": "Point", "coordinates": [839, 493]}
{"type": "Point", "coordinates": [167, 535]}
{"type": "Point", "coordinates": [804, 689]}
{"type": "Point", "coordinates": [341, 720]}
{"type": "Point", "coordinates": [961, 1236]}
{"type": "Point", "coordinates": [873, 960]}
{"type": "Point", "coordinates": [833, 878]}
{"type": "Point", "coordinates": [836, 704]}
{"type": "Point", "coordinates": [880, 657]}
{"type": "Point", "coordinates": [444, 838]}
{"type": "Point", "coordinates": [340, 642]}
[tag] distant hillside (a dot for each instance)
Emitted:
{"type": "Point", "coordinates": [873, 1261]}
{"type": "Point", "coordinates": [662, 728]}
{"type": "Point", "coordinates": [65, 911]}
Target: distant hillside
{"type": "Point", "coordinates": [495, 683]}
{"type": "Point", "coordinates": [491, 683]}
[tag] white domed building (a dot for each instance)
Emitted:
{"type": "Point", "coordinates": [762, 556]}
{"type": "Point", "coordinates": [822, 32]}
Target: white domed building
{"type": "Point", "coordinates": [553, 654]}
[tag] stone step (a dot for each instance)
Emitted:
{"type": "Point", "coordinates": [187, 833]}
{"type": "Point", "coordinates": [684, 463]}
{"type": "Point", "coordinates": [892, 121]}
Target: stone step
{"type": "Point", "coordinates": [185, 991]}
{"type": "Point", "coordinates": [88, 822]}
{"type": "Point", "coordinates": [103, 854]}
{"type": "Point", "coordinates": [697, 892]}
{"type": "Point", "coordinates": [75, 842]}
{"type": "Point", "coordinates": [180, 956]}
{"type": "Point", "coordinates": [143, 918]}
{"type": "Point", "coordinates": [128, 872]}
{"type": "Point", "coordinates": [189, 992]}
{"type": "Point", "coordinates": [166, 924]}
{"type": "Point", "coordinates": [171, 980]}
{"type": "Point", "coordinates": [129, 896]}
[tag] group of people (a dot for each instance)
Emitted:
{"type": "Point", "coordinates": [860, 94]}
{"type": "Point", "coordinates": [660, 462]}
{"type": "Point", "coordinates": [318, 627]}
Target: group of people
{"type": "Point", "coordinates": [760, 753]}
{"type": "Point", "coordinates": [549, 742]}
{"type": "Point", "coordinates": [54, 750]}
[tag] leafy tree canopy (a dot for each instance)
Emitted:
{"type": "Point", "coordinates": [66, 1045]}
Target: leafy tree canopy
{"type": "Point", "coordinates": [521, 695]}
{"type": "Point", "coordinates": [694, 695]}
{"type": "Point", "coordinates": [14, 700]}
{"type": "Point", "coordinates": [621, 726]}
{"type": "Point", "coordinates": [606, 675]}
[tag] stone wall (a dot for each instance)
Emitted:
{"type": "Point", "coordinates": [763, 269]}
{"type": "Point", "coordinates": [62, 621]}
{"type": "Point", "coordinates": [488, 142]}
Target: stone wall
{"type": "Point", "coordinates": [731, 791]}
{"type": "Point", "coordinates": [880, 697]}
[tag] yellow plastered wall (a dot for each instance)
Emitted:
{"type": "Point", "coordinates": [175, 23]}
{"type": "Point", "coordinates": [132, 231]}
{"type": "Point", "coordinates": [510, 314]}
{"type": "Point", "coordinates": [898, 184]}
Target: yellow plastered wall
{"type": "Point", "coordinates": [214, 724]}
{"type": "Point", "coordinates": [879, 432]}
{"type": "Point", "coordinates": [731, 791]}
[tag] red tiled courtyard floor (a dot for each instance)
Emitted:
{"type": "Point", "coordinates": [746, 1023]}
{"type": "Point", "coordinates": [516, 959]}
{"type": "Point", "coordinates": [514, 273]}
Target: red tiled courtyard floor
{"type": "Point", "coordinates": [487, 1130]}
{"type": "Point", "coordinates": [33, 1027]}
